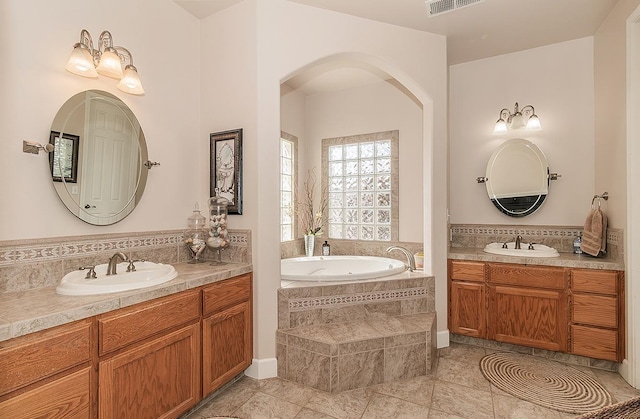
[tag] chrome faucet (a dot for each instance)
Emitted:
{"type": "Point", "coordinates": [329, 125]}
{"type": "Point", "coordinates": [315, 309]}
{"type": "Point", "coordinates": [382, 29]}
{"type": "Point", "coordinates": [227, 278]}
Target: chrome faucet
{"type": "Point", "coordinates": [113, 262]}
{"type": "Point", "coordinates": [518, 241]}
{"type": "Point", "coordinates": [410, 259]}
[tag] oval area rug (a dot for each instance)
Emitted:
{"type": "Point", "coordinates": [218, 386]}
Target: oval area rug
{"type": "Point", "coordinates": [546, 383]}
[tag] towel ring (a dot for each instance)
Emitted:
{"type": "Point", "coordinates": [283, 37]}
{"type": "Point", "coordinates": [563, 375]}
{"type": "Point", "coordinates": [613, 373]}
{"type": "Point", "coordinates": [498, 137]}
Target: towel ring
{"type": "Point", "coordinates": [605, 196]}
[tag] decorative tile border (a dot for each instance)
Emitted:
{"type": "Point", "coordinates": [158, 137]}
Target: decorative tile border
{"type": "Point", "coordinates": [515, 230]}
{"type": "Point", "coordinates": [59, 248]}
{"type": "Point", "coordinates": [301, 304]}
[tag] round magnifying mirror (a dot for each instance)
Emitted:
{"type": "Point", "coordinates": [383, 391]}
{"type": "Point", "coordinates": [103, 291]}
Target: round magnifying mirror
{"type": "Point", "coordinates": [97, 162]}
{"type": "Point", "coordinates": [517, 177]}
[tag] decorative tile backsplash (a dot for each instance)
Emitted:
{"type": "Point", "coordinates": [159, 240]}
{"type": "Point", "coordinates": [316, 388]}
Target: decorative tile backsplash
{"type": "Point", "coordinates": [560, 237]}
{"type": "Point", "coordinates": [37, 263]}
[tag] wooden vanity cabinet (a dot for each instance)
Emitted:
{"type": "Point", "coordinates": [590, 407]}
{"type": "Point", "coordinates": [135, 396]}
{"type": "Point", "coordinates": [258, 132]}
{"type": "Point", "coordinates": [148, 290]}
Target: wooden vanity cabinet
{"type": "Point", "coordinates": [467, 311]}
{"type": "Point", "coordinates": [578, 311]}
{"type": "Point", "coordinates": [150, 358]}
{"type": "Point", "coordinates": [48, 373]}
{"type": "Point", "coordinates": [227, 332]}
{"type": "Point", "coordinates": [155, 359]}
{"type": "Point", "coordinates": [528, 305]}
{"type": "Point", "coordinates": [596, 317]}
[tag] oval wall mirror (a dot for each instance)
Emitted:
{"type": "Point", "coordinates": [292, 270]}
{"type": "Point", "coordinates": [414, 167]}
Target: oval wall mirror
{"type": "Point", "coordinates": [97, 162]}
{"type": "Point", "coordinates": [517, 177]}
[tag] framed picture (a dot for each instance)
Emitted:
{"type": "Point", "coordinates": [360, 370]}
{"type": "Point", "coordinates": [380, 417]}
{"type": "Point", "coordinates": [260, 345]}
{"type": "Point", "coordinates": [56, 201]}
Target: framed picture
{"type": "Point", "coordinates": [226, 167]}
{"type": "Point", "coordinates": [64, 158]}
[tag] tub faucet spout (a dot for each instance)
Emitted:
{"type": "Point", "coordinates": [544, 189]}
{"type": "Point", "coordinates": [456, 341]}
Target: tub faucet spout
{"type": "Point", "coordinates": [410, 259]}
{"type": "Point", "coordinates": [113, 262]}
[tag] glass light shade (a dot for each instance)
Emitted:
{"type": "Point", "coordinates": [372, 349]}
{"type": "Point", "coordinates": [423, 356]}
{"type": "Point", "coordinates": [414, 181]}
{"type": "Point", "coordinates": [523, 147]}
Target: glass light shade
{"type": "Point", "coordinates": [501, 126]}
{"type": "Point", "coordinates": [533, 122]}
{"type": "Point", "coordinates": [517, 121]}
{"type": "Point", "coordinates": [110, 64]}
{"type": "Point", "coordinates": [130, 82]}
{"type": "Point", "coordinates": [81, 62]}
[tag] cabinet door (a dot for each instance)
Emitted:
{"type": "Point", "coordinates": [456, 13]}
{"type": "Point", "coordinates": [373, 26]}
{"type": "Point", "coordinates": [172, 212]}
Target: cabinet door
{"type": "Point", "coordinates": [529, 317]}
{"type": "Point", "coordinates": [226, 345]}
{"type": "Point", "coordinates": [159, 379]}
{"type": "Point", "coordinates": [467, 315]}
{"type": "Point", "coordinates": [66, 397]}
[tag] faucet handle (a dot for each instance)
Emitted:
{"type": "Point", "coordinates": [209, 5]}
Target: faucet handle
{"type": "Point", "coordinates": [92, 271]}
{"type": "Point", "coordinates": [504, 245]}
{"type": "Point", "coordinates": [131, 267]}
{"type": "Point", "coordinates": [531, 246]}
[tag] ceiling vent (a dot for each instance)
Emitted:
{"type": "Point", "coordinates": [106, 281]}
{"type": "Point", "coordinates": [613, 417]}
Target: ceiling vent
{"type": "Point", "coordinates": [436, 7]}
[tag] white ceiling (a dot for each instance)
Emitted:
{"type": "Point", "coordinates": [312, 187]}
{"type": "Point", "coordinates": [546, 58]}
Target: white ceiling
{"type": "Point", "coordinates": [482, 30]}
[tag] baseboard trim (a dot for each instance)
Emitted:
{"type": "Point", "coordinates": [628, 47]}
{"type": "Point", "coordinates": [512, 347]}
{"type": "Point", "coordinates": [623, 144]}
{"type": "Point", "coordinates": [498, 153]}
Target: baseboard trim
{"type": "Point", "coordinates": [442, 339]}
{"type": "Point", "coordinates": [262, 368]}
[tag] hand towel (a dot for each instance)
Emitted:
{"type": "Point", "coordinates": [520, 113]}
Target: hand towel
{"type": "Point", "coordinates": [594, 235]}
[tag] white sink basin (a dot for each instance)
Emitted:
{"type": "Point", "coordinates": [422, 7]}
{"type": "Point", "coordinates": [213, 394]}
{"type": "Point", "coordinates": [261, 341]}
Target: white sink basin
{"type": "Point", "coordinates": [539, 250]}
{"type": "Point", "coordinates": [147, 274]}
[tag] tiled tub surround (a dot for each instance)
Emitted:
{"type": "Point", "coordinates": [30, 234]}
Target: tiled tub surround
{"type": "Point", "coordinates": [353, 335]}
{"type": "Point", "coordinates": [468, 240]}
{"type": "Point", "coordinates": [37, 263]}
{"type": "Point", "coordinates": [295, 248]}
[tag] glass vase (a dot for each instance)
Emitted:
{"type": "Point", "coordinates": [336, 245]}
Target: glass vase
{"type": "Point", "coordinates": [309, 244]}
{"type": "Point", "coordinates": [218, 233]}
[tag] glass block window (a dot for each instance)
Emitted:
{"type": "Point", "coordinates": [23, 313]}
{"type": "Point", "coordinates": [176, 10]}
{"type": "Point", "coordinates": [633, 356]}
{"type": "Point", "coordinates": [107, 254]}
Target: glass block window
{"type": "Point", "coordinates": [288, 145]}
{"type": "Point", "coordinates": [362, 177]}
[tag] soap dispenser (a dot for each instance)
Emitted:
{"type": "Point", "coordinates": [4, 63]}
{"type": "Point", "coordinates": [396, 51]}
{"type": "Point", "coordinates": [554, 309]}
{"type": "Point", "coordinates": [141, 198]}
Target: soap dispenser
{"type": "Point", "coordinates": [326, 249]}
{"type": "Point", "coordinates": [577, 245]}
{"type": "Point", "coordinates": [195, 238]}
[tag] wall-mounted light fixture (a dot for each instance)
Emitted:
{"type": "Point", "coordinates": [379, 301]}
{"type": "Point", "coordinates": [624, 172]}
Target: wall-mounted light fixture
{"type": "Point", "coordinates": [525, 117]}
{"type": "Point", "coordinates": [107, 60]}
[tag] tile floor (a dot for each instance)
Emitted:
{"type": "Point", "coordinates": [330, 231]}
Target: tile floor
{"type": "Point", "coordinates": [455, 389]}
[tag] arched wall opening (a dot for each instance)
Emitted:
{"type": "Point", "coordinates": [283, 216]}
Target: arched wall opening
{"type": "Point", "coordinates": [352, 94]}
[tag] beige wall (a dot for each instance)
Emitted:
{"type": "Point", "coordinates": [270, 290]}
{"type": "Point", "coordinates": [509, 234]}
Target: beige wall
{"type": "Point", "coordinates": [558, 81]}
{"type": "Point", "coordinates": [36, 39]}
{"type": "Point", "coordinates": [617, 163]}
{"type": "Point", "coordinates": [610, 109]}
{"type": "Point", "coordinates": [372, 108]}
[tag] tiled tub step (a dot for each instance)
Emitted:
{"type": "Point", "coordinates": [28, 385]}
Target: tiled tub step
{"type": "Point", "coordinates": [343, 356]}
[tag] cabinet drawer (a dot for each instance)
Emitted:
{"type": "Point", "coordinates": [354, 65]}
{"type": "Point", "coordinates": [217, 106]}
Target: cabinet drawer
{"type": "Point", "coordinates": [144, 320]}
{"type": "Point", "coordinates": [66, 397]}
{"type": "Point", "coordinates": [600, 282]}
{"type": "Point", "coordinates": [466, 271]}
{"type": "Point", "coordinates": [596, 310]}
{"type": "Point", "coordinates": [594, 343]}
{"type": "Point", "coordinates": [528, 276]}
{"type": "Point", "coordinates": [30, 358]}
{"type": "Point", "coordinates": [226, 293]}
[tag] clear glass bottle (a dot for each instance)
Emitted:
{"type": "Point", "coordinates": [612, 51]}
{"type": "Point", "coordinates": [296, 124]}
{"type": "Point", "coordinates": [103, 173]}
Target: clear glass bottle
{"type": "Point", "coordinates": [577, 245]}
{"type": "Point", "coordinates": [218, 234]}
{"type": "Point", "coordinates": [196, 237]}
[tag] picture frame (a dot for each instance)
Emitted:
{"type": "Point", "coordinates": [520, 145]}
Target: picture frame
{"type": "Point", "coordinates": [63, 160]}
{"type": "Point", "coordinates": [226, 167]}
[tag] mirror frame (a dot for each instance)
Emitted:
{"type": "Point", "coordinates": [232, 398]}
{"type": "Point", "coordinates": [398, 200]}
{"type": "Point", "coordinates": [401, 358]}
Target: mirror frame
{"type": "Point", "coordinates": [510, 197]}
{"type": "Point", "coordinates": [71, 117]}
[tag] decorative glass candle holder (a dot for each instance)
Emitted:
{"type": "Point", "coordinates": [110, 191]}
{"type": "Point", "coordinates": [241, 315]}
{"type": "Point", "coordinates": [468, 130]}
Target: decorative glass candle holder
{"type": "Point", "coordinates": [218, 235]}
{"type": "Point", "coordinates": [196, 237]}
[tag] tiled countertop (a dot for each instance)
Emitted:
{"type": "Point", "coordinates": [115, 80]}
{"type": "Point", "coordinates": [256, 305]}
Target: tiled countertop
{"type": "Point", "coordinates": [34, 310]}
{"type": "Point", "coordinates": [567, 260]}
